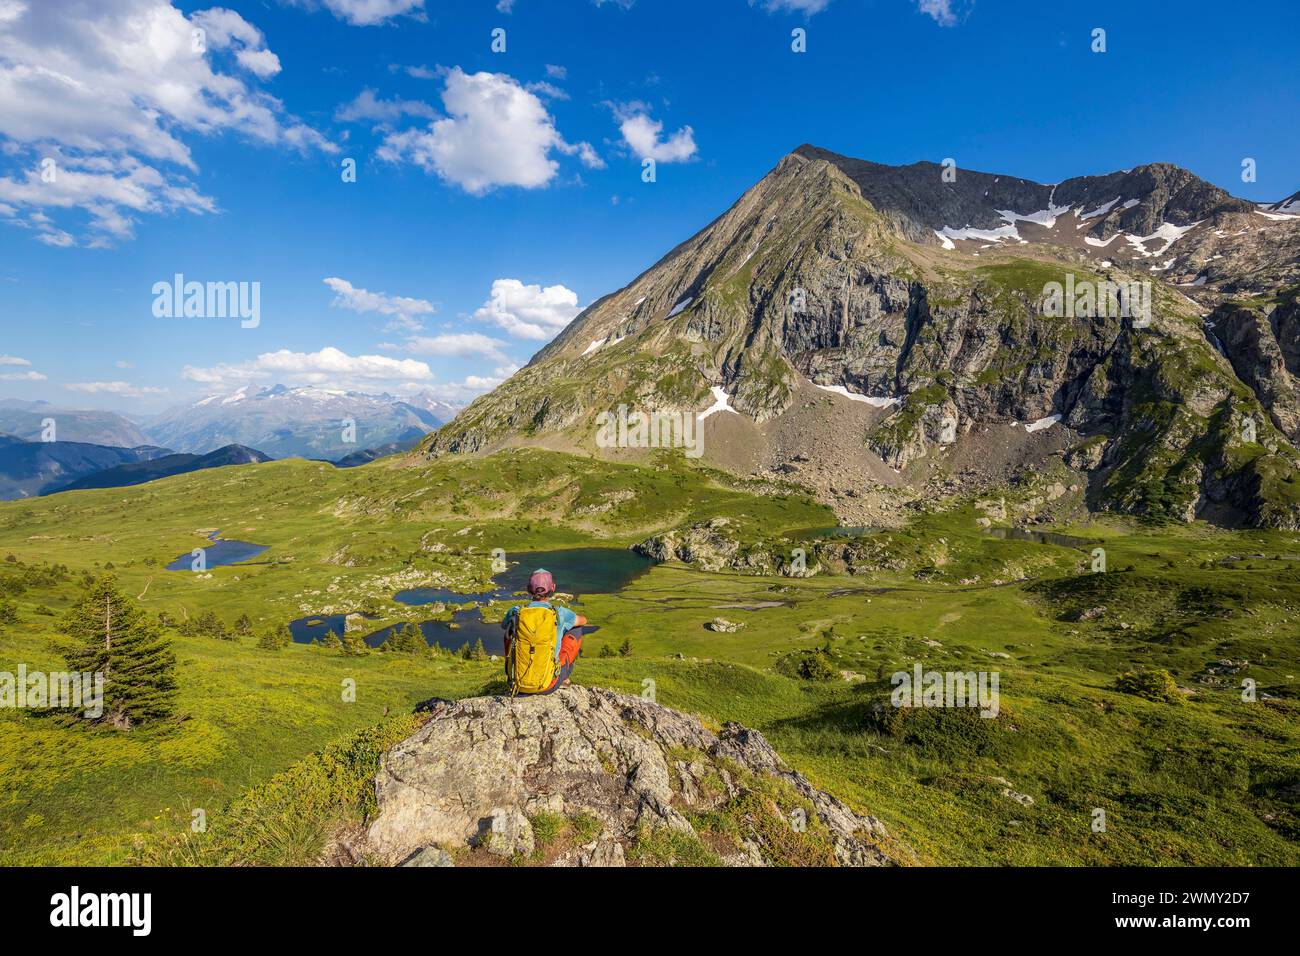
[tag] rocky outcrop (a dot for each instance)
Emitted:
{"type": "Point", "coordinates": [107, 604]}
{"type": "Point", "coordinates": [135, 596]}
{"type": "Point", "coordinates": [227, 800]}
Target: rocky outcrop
{"type": "Point", "coordinates": [1264, 348]}
{"type": "Point", "coordinates": [707, 545]}
{"type": "Point", "coordinates": [481, 773]}
{"type": "Point", "coordinates": [714, 546]}
{"type": "Point", "coordinates": [723, 626]}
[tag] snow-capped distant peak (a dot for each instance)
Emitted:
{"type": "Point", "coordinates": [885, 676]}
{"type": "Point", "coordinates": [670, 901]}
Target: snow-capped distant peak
{"type": "Point", "coordinates": [321, 394]}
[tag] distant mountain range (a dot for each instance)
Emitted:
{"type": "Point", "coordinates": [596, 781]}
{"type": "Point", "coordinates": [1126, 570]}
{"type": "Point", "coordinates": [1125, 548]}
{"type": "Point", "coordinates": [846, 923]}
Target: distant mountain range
{"type": "Point", "coordinates": [26, 420]}
{"type": "Point", "coordinates": [30, 468]}
{"type": "Point", "coordinates": [138, 472]}
{"type": "Point", "coordinates": [278, 421]}
{"type": "Point", "coordinates": [367, 455]}
{"type": "Point", "coordinates": [305, 421]}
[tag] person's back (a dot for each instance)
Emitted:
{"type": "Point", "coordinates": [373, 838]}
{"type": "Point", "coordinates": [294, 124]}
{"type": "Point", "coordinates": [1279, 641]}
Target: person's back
{"type": "Point", "coordinates": [541, 641]}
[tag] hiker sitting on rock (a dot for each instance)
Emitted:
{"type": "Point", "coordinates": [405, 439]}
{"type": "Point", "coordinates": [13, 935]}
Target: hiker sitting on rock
{"type": "Point", "coordinates": [542, 640]}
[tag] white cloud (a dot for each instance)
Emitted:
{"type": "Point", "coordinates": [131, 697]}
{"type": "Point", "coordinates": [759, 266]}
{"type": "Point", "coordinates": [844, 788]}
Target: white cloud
{"type": "Point", "coordinates": [329, 365]}
{"type": "Point", "coordinates": [556, 72]}
{"type": "Point", "coordinates": [368, 107]}
{"type": "Point", "coordinates": [549, 90]}
{"type": "Point", "coordinates": [808, 7]}
{"type": "Point", "coordinates": [31, 376]}
{"type": "Point", "coordinates": [643, 136]}
{"type": "Point", "coordinates": [13, 359]}
{"type": "Point", "coordinates": [942, 11]}
{"type": "Point", "coordinates": [529, 311]}
{"type": "Point", "coordinates": [123, 389]}
{"type": "Point", "coordinates": [368, 13]}
{"type": "Point", "coordinates": [471, 387]}
{"type": "Point", "coordinates": [458, 344]}
{"type": "Point", "coordinates": [496, 133]}
{"type": "Point", "coordinates": [107, 189]}
{"type": "Point", "coordinates": [419, 72]}
{"type": "Point", "coordinates": [401, 309]}
{"type": "Point", "coordinates": [110, 90]}
{"type": "Point", "coordinates": [586, 153]}
{"type": "Point", "coordinates": [227, 30]}
{"type": "Point", "coordinates": [262, 63]}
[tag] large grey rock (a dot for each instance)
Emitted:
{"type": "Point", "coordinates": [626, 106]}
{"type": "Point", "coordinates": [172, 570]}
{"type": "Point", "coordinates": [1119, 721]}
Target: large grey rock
{"type": "Point", "coordinates": [480, 768]}
{"type": "Point", "coordinates": [429, 856]}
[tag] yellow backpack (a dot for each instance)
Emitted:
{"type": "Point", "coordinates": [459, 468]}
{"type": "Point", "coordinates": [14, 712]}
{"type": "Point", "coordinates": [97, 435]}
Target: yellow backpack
{"type": "Point", "coordinates": [532, 663]}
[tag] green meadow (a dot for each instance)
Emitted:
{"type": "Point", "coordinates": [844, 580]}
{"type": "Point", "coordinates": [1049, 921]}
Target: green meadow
{"type": "Point", "coordinates": [1209, 774]}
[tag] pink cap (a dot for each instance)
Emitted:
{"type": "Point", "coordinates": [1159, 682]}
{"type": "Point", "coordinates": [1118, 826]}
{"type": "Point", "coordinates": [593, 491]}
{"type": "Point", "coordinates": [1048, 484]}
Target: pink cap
{"type": "Point", "coordinates": [541, 582]}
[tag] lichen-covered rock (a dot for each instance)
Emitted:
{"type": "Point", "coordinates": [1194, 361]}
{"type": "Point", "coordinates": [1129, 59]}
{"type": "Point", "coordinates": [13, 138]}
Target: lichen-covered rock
{"type": "Point", "coordinates": [714, 546]}
{"type": "Point", "coordinates": [480, 769]}
{"type": "Point", "coordinates": [723, 626]}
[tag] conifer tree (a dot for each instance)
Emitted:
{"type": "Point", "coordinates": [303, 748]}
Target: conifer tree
{"type": "Point", "coordinates": [116, 638]}
{"type": "Point", "coordinates": [272, 639]}
{"type": "Point", "coordinates": [406, 639]}
{"type": "Point", "coordinates": [8, 612]}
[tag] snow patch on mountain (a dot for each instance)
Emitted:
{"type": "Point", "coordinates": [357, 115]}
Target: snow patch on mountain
{"type": "Point", "coordinates": [1042, 423]}
{"type": "Point", "coordinates": [721, 403]}
{"type": "Point", "coordinates": [873, 400]}
{"type": "Point", "coordinates": [1166, 231]}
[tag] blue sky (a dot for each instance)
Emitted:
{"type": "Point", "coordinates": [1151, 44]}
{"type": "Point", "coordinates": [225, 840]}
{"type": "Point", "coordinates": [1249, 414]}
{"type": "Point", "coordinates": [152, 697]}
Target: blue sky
{"type": "Point", "coordinates": [499, 192]}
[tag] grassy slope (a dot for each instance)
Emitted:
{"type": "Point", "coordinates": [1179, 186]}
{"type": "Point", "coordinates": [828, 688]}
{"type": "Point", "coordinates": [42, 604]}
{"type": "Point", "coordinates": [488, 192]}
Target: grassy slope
{"type": "Point", "coordinates": [1194, 783]}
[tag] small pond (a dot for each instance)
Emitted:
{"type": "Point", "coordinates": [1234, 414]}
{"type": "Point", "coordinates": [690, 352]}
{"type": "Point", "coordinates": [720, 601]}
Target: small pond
{"type": "Point", "coordinates": [1043, 537]}
{"type": "Point", "coordinates": [576, 571]}
{"type": "Point", "coordinates": [220, 551]}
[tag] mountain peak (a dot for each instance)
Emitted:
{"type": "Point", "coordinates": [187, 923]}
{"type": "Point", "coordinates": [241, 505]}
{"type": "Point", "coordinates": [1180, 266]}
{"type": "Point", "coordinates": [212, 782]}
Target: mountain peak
{"type": "Point", "coordinates": [920, 305]}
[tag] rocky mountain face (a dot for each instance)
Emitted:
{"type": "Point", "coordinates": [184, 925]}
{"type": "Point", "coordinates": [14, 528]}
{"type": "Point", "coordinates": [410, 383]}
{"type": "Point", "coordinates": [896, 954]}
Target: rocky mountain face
{"type": "Point", "coordinates": [306, 421]}
{"type": "Point", "coordinates": [979, 321]}
{"type": "Point", "coordinates": [631, 773]}
{"type": "Point", "coordinates": [1262, 340]}
{"type": "Point", "coordinates": [1135, 201]}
